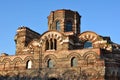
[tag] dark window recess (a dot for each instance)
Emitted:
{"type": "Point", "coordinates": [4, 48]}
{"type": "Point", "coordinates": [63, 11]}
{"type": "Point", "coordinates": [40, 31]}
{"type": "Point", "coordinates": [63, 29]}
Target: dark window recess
{"type": "Point", "coordinates": [68, 26]}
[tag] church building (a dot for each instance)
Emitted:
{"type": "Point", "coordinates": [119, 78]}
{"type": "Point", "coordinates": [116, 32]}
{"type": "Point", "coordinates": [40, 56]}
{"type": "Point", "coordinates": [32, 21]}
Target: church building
{"type": "Point", "coordinates": [63, 52]}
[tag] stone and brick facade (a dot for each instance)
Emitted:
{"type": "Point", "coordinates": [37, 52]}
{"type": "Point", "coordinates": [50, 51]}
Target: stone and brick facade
{"type": "Point", "coordinates": [61, 53]}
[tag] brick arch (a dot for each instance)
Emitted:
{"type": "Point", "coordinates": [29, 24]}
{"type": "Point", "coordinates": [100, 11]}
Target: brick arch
{"type": "Point", "coordinates": [74, 54]}
{"type": "Point", "coordinates": [6, 63]}
{"type": "Point", "coordinates": [58, 19]}
{"type": "Point", "coordinates": [17, 59]}
{"type": "Point", "coordinates": [6, 60]}
{"type": "Point", "coordinates": [50, 56]}
{"type": "Point", "coordinates": [53, 24]}
{"type": "Point", "coordinates": [72, 26]}
{"type": "Point", "coordinates": [90, 53]}
{"type": "Point", "coordinates": [97, 41]}
{"type": "Point", "coordinates": [28, 58]}
{"type": "Point", "coordinates": [71, 20]}
{"type": "Point", "coordinates": [51, 34]}
{"type": "Point", "coordinates": [89, 36]}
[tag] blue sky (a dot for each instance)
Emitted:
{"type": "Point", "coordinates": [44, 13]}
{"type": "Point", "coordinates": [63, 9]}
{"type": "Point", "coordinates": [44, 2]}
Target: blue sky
{"type": "Point", "coordinates": [100, 16]}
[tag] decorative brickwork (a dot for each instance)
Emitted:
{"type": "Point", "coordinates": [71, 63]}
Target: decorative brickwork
{"type": "Point", "coordinates": [61, 53]}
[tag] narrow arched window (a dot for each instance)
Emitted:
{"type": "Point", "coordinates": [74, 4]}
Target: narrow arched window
{"type": "Point", "coordinates": [68, 26]}
{"type": "Point", "coordinates": [88, 44]}
{"type": "Point", "coordinates": [50, 63]}
{"type": "Point", "coordinates": [47, 45]}
{"type": "Point", "coordinates": [29, 64]}
{"type": "Point", "coordinates": [58, 26]}
{"type": "Point", "coordinates": [51, 44]}
{"type": "Point", "coordinates": [74, 62]}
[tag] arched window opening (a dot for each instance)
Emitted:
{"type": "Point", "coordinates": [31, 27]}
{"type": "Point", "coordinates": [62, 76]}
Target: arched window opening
{"type": "Point", "coordinates": [88, 44]}
{"type": "Point", "coordinates": [51, 44]}
{"type": "Point", "coordinates": [74, 62]}
{"type": "Point", "coordinates": [68, 26]}
{"type": "Point", "coordinates": [58, 26]}
{"type": "Point", "coordinates": [29, 64]}
{"type": "Point", "coordinates": [50, 63]}
{"type": "Point", "coordinates": [47, 45]}
{"type": "Point", "coordinates": [91, 59]}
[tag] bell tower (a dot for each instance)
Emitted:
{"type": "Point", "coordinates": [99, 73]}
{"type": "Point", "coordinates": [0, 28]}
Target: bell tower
{"type": "Point", "coordinates": [64, 21]}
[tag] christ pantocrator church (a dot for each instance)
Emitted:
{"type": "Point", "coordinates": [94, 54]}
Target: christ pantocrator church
{"type": "Point", "coordinates": [61, 53]}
